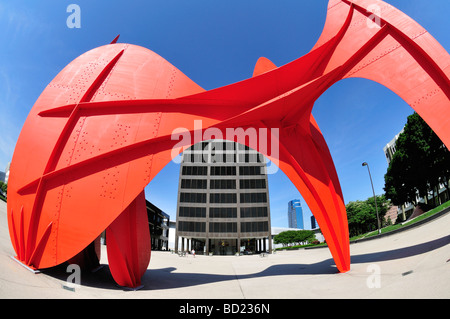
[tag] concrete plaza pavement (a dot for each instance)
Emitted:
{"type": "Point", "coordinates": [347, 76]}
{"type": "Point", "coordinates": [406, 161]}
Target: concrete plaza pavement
{"type": "Point", "coordinates": [410, 264]}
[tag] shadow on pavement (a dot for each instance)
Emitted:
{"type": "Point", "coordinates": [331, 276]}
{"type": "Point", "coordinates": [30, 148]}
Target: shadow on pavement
{"type": "Point", "coordinates": [169, 278]}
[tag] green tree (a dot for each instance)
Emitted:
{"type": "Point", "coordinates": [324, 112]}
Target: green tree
{"type": "Point", "coordinates": [294, 237]}
{"type": "Point", "coordinates": [362, 216]}
{"type": "Point", "coordinates": [420, 163]}
{"type": "Point", "coordinates": [3, 187]}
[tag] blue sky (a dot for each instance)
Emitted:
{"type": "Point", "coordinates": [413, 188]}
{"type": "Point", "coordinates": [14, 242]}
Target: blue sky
{"type": "Point", "coordinates": [215, 43]}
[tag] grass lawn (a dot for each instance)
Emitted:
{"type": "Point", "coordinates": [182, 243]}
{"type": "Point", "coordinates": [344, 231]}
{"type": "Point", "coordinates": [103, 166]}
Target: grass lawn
{"type": "Point", "coordinates": [415, 220]}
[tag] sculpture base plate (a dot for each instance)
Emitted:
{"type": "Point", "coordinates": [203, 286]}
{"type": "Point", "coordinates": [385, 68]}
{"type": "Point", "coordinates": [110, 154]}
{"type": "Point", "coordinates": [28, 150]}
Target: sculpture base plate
{"type": "Point", "coordinates": [33, 270]}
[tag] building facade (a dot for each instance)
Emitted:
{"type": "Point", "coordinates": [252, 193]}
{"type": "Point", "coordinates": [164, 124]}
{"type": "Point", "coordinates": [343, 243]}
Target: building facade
{"type": "Point", "coordinates": [295, 214]}
{"type": "Point", "coordinates": [223, 200]}
{"type": "Point", "coordinates": [158, 222]}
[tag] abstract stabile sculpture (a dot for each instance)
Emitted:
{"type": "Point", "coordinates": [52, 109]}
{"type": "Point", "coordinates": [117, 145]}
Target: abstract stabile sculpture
{"type": "Point", "coordinates": [102, 129]}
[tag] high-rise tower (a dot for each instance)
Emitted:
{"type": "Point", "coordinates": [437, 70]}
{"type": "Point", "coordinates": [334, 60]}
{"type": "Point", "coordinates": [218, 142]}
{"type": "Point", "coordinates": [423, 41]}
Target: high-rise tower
{"type": "Point", "coordinates": [223, 200]}
{"type": "Point", "coordinates": [295, 214]}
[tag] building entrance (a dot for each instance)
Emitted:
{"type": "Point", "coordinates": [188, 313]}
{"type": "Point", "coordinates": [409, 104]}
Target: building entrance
{"type": "Point", "coordinates": [223, 246]}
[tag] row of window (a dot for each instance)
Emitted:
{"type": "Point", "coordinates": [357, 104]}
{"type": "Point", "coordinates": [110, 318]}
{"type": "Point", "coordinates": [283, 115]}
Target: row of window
{"type": "Point", "coordinates": [222, 212]}
{"type": "Point", "coordinates": [194, 170]}
{"type": "Point", "coordinates": [222, 158]}
{"type": "Point", "coordinates": [251, 170]}
{"type": "Point", "coordinates": [192, 211]}
{"type": "Point", "coordinates": [220, 198]}
{"type": "Point", "coordinates": [198, 227]}
{"type": "Point", "coordinates": [222, 170]}
{"type": "Point", "coordinates": [223, 227]}
{"type": "Point", "coordinates": [223, 183]}
{"type": "Point", "coordinates": [194, 183]}
{"type": "Point", "coordinates": [253, 197]}
{"type": "Point", "coordinates": [252, 183]}
{"type": "Point", "coordinates": [216, 145]}
{"type": "Point", "coordinates": [193, 197]}
{"type": "Point", "coordinates": [253, 212]}
{"type": "Point", "coordinates": [253, 227]}
{"type": "Point", "coordinates": [223, 198]}
{"type": "Point", "coordinates": [246, 227]}
{"type": "Point", "coordinates": [223, 145]}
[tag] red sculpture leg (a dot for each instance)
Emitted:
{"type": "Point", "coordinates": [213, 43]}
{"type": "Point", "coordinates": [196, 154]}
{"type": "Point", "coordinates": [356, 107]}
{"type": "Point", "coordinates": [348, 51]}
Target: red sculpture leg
{"type": "Point", "coordinates": [309, 166]}
{"type": "Point", "coordinates": [128, 244]}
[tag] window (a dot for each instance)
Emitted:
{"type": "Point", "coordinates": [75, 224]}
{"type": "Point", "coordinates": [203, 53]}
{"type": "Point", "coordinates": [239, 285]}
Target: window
{"type": "Point", "coordinates": [250, 158]}
{"type": "Point", "coordinates": [250, 170]}
{"type": "Point", "coordinates": [193, 197]}
{"type": "Point", "coordinates": [253, 197]}
{"type": "Point", "coordinates": [195, 157]}
{"type": "Point", "coordinates": [222, 198]}
{"type": "Point", "coordinates": [192, 211]}
{"type": "Point", "coordinates": [223, 146]}
{"type": "Point", "coordinates": [220, 157]}
{"type": "Point", "coordinates": [191, 226]}
{"type": "Point", "coordinates": [252, 183]}
{"type": "Point", "coordinates": [222, 212]}
{"type": "Point", "coordinates": [253, 212]}
{"type": "Point", "coordinates": [253, 227]}
{"type": "Point", "coordinates": [195, 170]}
{"type": "Point", "coordinates": [193, 183]}
{"type": "Point", "coordinates": [223, 170]}
{"type": "Point", "coordinates": [222, 227]}
{"type": "Point", "coordinates": [222, 184]}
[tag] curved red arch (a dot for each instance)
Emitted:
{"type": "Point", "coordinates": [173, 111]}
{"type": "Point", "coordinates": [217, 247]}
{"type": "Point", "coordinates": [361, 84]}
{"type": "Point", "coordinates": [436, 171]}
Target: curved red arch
{"type": "Point", "coordinates": [102, 129]}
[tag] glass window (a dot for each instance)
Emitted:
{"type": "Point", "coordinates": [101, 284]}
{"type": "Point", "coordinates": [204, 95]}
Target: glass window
{"type": "Point", "coordinates": [222, 198]}
{"type": "Point", "coordinates": [222, 184]}
{"type": "Point", "coordinates": [223, 170]}
{"type": "Point", "coordinates": [191, 226]}
{"type": "Point", "coordinates": [253, 212]}
{"type": "Point", "coordinates": [193, 197]}
{"type": "Point", "coordinates": [193, 183]}
{"type": "Point", "coordinates": [253, 227]}
{"type": "Point", "coordinates": [222, 212]}
{"type": "Point", "coordinates": [252, 183]}
{"type": "Point", "coordinates": [250, 170]}
{"type": "Point", "coordinates": [192, 211]}
{"type": "Point", "coordinates": [194, 170]}
{"type": "Point", "coordinates": [253, 197]}
{"type": "Point", "coordinates": [222, 227]}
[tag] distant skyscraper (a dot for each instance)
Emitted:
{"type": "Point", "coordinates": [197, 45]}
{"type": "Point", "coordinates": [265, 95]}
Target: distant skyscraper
{"type": "Point", "coordinates": [295, 214]}
{"type": "Point", "coordinates": [313, 222]}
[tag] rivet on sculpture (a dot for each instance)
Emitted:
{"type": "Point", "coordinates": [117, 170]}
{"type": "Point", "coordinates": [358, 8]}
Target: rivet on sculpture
{"type": "Point", "coordinates": [101, 131]}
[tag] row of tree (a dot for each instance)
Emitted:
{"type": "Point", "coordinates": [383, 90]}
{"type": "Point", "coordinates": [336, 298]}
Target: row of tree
{"type": "Point", "coordinates": [420, 164]}
{"type": "Point", "coordinates": [362, 215]}
{"type": "Point", "coordinates": [294, 237]}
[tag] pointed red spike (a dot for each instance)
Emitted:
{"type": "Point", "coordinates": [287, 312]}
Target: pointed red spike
{"type": "Point", "coordinates": [21, 250]}
{"type": "Point", "coordinates": [14, 234]}
{"type": "Point", "coordinates": [115, 39]}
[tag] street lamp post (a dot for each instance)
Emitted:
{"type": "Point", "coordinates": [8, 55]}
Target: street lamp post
{"type": "Point", "coordinates": [374, 197]}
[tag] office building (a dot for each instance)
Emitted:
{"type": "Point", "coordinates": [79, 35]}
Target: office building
{"type": "Point", "coordinates": [295, 214]}
{"type": "Point", "coordinates": [158, 222]}
{"type": "Point", "coordinates": [223, 200]}
{"type": "Point", "coordinates": [313, 222]}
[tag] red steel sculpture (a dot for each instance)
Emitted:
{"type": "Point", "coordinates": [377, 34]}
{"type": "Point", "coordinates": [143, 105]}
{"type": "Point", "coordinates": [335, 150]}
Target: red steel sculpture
{"type": "Point", "coordinates": [102, 130]}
